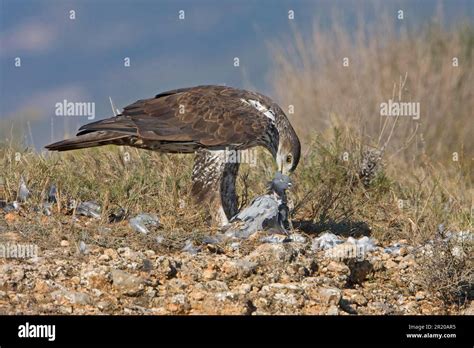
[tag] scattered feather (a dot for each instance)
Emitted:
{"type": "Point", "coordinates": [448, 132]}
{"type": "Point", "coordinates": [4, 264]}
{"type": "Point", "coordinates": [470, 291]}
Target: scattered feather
{"type": "Point", "coordinates": [52, 194]}
{"type": "Point", "coordinates": [23, 191]}
{"type": "Point", "coordinates": [140, 222]}
{"type": "Point", "coordinates": [326, 241]}
{"type": "Point", "coordinates": [189, 247]}
{"type": "Point", "coordinates": [89, 209]}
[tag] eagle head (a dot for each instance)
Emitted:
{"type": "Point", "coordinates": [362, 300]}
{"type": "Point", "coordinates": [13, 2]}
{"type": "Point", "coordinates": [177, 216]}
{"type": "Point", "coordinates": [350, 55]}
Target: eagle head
{"type": "Point", "coordinates": [289, 150]}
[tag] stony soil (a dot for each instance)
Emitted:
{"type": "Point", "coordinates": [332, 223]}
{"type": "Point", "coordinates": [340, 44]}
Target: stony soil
{"type": "Point", "coordinates": [257, 278]}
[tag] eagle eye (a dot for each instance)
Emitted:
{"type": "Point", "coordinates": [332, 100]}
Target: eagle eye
{"type": "Point", "coordinates": [289, 159]}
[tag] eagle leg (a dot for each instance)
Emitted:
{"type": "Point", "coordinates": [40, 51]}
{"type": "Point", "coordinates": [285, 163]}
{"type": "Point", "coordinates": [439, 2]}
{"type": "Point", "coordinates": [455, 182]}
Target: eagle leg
{"type": "Point", "coordinates": [214, 181]}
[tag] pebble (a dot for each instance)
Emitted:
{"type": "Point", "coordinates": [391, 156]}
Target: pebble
{"type": "Point", "coordinates": [239, 268]}
{"type": "Point", "coordinates": [419, 296]}
{"type": "Point", "coordinates": [209, 274]}
{"type": "Point", "coordinates": [331, 296]}
{"type": "Point", "coordinates": [104, 257]}
{"type": "Point", "coordinates": [403, 251]}
{"type": "Point", "coordinates": [390, 264]}
{"type": "Point", "coordinates": [359, 300]}
{"type": "Point", "coordinates": [265, 278]}
{"type": "Point", "coordinates": [126, 282]}
{"type": "Point", "coordinates": [111, 253]}
{"type": "Point", "coordinates": [147, 265]}
{"type": "Point", "coordinates": [338, 267]}
{"type": "Point", "coordinates": [74, 297]}
{"type": "Point", "coordinates": [333, 310]}
{"type": "Point", "coordinates": [360, 270]}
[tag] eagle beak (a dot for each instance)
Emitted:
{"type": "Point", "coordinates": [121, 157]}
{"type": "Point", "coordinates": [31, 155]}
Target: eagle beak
{"type": "Point", "coordinates": [282, 170]}
{"type": "Point", "coordinates": [281, 165]}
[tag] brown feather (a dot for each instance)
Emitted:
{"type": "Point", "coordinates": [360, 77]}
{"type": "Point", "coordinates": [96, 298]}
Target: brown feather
{"type": "Point", "coordinates": [205, 116]}
{"type": "Point", "coordinates": [88, 140]}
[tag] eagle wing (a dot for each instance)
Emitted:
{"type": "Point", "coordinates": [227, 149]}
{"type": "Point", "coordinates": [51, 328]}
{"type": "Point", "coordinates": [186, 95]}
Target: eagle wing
{"type": "Point", "coordinates": [209, 116]}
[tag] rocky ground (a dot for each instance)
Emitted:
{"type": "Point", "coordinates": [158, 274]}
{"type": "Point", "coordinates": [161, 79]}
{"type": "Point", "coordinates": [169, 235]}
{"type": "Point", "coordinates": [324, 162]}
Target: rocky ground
{"type": "Point", "coordinates": [298, 275]}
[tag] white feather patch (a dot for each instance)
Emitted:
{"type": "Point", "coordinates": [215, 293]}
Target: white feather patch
{"type": "Point", "coordinates": [260, 107]}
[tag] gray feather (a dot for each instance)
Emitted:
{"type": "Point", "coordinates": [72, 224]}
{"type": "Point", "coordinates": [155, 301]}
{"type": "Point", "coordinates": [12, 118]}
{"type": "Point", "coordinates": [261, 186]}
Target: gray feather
{"type": "Point", "coordinates": [23, 192]}
{"type": "Point", "coordinates": [267, 212]}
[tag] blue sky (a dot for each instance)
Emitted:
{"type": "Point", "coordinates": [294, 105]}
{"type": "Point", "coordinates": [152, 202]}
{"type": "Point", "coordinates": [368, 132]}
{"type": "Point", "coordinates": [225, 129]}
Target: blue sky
{"type": "Point", "coordinates": [82, 59]}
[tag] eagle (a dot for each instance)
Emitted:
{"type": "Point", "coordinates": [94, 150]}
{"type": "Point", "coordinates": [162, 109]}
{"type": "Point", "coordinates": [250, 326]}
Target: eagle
{"type": "Point", "coordinates": [208, 121]}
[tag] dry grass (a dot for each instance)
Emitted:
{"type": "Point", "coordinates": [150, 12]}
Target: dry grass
{"type": "Point", "coordinates": [146, 182]}
{"type": "Point", "coordinates": [329, 192]}
{"type": "Point", "coordinates": [447, 269]}
{"type": "Point", "coordinates": [420, 185]}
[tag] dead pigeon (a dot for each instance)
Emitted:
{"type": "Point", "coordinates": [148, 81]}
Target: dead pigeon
{"type": "Point", "coordinates": [267, 212]}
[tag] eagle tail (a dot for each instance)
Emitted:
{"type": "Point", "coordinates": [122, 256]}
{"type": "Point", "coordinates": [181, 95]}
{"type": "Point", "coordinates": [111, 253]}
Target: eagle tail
{"type": "Point", "coordinates": [88, 140]}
